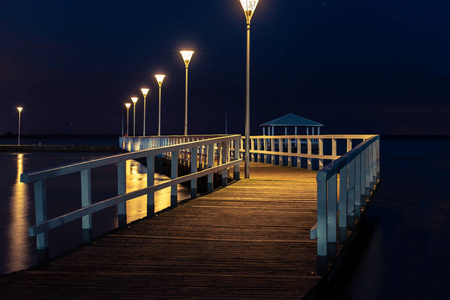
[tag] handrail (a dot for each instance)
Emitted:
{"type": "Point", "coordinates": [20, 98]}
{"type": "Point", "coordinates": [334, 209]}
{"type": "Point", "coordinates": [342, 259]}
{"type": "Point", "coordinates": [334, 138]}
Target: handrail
{"type": "Point", "coordinates": [265, 148]}
{"type": "Point", "coordinates": [223, 144]}
{"type": "Point", "coordinates": [359, 173]}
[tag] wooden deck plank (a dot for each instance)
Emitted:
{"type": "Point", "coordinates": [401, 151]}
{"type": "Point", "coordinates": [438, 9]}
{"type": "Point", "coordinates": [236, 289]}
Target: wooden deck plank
{"type": "Point", "coordinates": [248, 240]}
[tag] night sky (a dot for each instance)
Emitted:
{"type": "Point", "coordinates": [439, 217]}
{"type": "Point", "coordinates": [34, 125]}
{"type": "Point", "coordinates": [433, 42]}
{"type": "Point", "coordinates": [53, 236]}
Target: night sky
{"type": "Point", "coordinates": [356, 66]}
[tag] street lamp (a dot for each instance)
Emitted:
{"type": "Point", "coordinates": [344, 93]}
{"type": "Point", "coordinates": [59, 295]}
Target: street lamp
{"type": "Point", "coordinates": [134, 99]}
{"type": "Point", "coordinates": [187, 55]}
{"type": "Point", "coordinates": [144, 92]}
{"type": "Point", "coordinates": [18, 135]}
{"type": "Point", "coordinates": [160, 79]}
{"type": "Point", "coordinates": [249, 7]}
{"type": "Point", "coordinates": [128, 115]}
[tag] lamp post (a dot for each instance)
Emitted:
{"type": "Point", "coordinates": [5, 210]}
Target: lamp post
{"type": "Point", "coordinates": [249, 7]}
{"type": "Point", "coordinates": [144, 92]}
{"type": "Point", "coordinates": [187, 55]}
{"type": "Point", "coordinates": [160, 79]}
{"type": "Point", "coordinates": [127, 105]}
{"type": "Point", "coordinates": [134, 99]}
{"type": "Point", "coordinates": [18, 135]}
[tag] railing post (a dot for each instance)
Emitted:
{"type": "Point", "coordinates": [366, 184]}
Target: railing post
{"type": "Point", "coordinates": [86, 220]}
{"type": "Point", "coordinates": [333, 147]}
{"type": "Point", "coordinates": [265, 146]}
{"type": "Point", "coordinates": [321, 154]}
{"type": "Point", "coordinates": [280, 150]}
{"type": "Point", "coordinates": [299, 151]}
{"type": "Point", "coordinates": [121, 189]}
{"type": "Point", "coordinates": [290, 152]}
{"type": "Point", "coordinates": [258, 147]}
{"type": "Point", "coordinates": [309, 145]}
{"type": "Point", "coordinates": [349, 145]}
{"type": "Point", "coordinates": [210, 164]}
{"type": "Point", "coordinates": [272, 149]}
{"type": "Point", "coordinates": [351, 195]}
{"type": "Point", "coordinates": [332, 217]}
{"type": "Point", "coordinates": [252, 148]}
{"type": "Point", "coordinates": [322, 246]}
{"type": "Point", "coordinates": [371, 169]}
{"type": "Point", "coordinates": [358, 186]}
{"type": "Point", "coordinates": [367, 172]}
{"type": "Point", "coordinates": [150, 182]}
{"type": "Point", "coordinates": [378, 160]}
{"type": "Point", "coordinates": [363, 178]}
{"type": "Point", "coordinates": [173, 175]}
{"type": "Point", "coordinates": [225, 157]}
{"type": "Point", "coordinates": [41, 216]}
{"type": "Point", "coordinates": [194, 170]}
{"type": "Point", "coordinates": [236, 157]}
{"type": "Point", "coordinates": [343, 208]}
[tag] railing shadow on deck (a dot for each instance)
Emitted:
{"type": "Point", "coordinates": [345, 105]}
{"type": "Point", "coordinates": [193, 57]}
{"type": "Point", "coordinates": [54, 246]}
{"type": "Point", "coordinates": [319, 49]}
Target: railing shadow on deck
{"type": "Point", "coordinates": [206, 156]}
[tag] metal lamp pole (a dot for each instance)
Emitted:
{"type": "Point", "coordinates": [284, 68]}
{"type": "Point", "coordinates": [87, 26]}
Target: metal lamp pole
{"type": "Point", "coordinates": [187, 55]}
{"type": "Point", "coordinates": [160, 79]}
{"type": "Point", "coordinates": [249, 7]}
{"type": "Point", "coordinates": [134, 99]}
{"type": "Point", "coordinates": [127, 105]}
{"type": "Point", "coordinates": [18, 134]}
{"type": "Point", "coordinates": [144, 92]}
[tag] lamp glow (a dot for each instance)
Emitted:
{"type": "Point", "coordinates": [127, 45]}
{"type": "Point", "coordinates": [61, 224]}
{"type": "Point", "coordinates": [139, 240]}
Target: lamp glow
{"type": "Point", "coordinates": [134, 99]}
{"type": "Point", "coordinates": [159, 79]}
{"type": "Point", "coordinates": [144, 92]}
{"type": "Point", "coordinates": [19, 109]}
{"type": "Point", "coordinates": [187, 55]}
{"type": "Point", "coordinates": [249, 7]}
{"type": "Point", "coordinates": [127, 105]}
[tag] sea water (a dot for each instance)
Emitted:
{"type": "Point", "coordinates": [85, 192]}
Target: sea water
{"type": "Point", "coordinates": [17, 249]}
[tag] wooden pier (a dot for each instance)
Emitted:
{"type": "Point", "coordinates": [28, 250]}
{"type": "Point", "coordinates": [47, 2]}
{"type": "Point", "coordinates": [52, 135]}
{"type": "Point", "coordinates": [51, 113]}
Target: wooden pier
{"type": "Point", "coordinates": [250, 239]}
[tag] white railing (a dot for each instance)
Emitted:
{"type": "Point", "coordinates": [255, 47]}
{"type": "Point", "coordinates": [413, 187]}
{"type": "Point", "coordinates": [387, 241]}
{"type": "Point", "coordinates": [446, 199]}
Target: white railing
{"type": "Point", "coordinates": [359, 172]}
{"type": "Point", "coordinates": [191, 151]}
{"type": "Point", "coordinates": [288, 150]}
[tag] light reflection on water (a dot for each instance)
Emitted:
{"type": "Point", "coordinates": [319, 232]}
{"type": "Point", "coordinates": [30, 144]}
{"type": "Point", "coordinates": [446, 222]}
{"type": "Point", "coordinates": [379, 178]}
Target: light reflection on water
{"type": "Point", "coordinates": [137, 179]}
{"type": "Point", "coordinates": [17, 250]}
{"type": "Point", "coordinates": [18, 258]}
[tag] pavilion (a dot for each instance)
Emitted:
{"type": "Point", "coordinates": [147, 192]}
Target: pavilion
{"type": "Point", "coordinates": [292, 121]}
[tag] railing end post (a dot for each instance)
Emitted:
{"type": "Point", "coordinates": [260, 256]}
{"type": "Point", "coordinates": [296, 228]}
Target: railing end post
{"type": "Point", "coordinates": [42, 255]}
{"type": "Point", "coordinates": [322, 265]}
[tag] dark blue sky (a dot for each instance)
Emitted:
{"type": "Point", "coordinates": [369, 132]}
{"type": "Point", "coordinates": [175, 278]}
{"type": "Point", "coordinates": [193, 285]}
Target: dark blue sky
{"type": "Point", "coordinates": [355, 66]}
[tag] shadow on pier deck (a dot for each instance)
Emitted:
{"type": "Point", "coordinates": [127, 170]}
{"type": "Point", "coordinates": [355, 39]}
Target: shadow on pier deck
{"type": "Point", "coordinates": [248, 240]}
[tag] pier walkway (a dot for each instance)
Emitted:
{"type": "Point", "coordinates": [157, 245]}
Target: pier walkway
{"type": "Point", "coordinates": [250, 239]}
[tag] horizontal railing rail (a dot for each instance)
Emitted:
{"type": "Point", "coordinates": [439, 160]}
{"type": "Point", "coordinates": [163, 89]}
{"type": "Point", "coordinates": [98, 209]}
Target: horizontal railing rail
{"type": "Point", "coordinates": [217, 152]}
{"type": "Point", "coordinates": [267, 148]}
{"type": "Point", "coordinates": [339, 202]}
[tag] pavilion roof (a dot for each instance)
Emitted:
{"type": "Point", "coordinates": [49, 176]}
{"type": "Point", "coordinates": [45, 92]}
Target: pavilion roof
{"type": "Point", "coordinates": [291, 120]}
